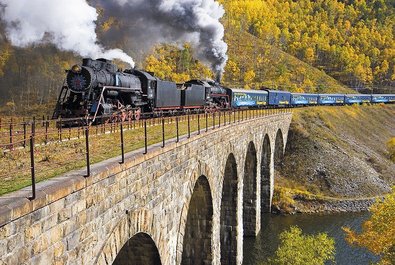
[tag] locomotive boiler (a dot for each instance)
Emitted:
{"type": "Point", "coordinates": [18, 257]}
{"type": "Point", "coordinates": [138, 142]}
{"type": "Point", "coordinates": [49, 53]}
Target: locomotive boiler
{"type": "Point", "coordinates": [97, 88]}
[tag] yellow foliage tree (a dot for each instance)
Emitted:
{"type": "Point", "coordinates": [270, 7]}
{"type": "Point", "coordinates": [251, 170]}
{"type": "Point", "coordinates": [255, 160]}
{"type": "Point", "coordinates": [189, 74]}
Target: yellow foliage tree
{"type": "Point", "coordinates": [5, 54]}
{"type": "Point", "coordinates": [391, 148]}
{"type": "Point", "coordinates": [171, 63]}
{"type": "Point", "coordinates": [249, 77]}
{"type": "Point", "coordinates": [309, 55]}
{"type": "Point", "coordinates": [298, 249]}
{"type": "Point", "coordinates": [378, 233]}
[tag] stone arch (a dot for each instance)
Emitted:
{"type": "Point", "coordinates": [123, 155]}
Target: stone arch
{"type": "Point", "coordinates": [249, 191]}
{"type": "Point", "coordinates": [132, 223]}
{"type": "Point", "coordinates": [279, 149]}
{"type": "Point", "coordinates": [200, 169]}
{"type": "Point", "coordinates": [138, 250]}
{"type": "Point", "coordinates": [198, 230]}
{"type": "Point", "coordinates": [266, 178]}
{"type": "Point", "coordinates": [228, 215]}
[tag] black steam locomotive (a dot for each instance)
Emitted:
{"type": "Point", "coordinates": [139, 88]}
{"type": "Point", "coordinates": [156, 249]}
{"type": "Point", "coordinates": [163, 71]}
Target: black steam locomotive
{"type": "Point", "coordinates": [98, 91]}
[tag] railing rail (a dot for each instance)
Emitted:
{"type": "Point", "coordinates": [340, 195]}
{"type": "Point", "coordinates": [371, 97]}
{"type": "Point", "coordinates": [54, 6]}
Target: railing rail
{"type": "Point", "coordinates": [35, 142]}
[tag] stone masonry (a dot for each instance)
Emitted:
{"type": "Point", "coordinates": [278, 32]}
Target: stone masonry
{"type": "Point", "coordinates": [182, 204]}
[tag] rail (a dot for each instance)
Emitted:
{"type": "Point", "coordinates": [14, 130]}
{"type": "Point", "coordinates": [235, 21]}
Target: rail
{"type": "Point", "coordinates": [41, 149]}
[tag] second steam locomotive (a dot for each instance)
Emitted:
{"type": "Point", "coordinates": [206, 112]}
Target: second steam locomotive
{"type": "Point", "coordinates": [98, 91]}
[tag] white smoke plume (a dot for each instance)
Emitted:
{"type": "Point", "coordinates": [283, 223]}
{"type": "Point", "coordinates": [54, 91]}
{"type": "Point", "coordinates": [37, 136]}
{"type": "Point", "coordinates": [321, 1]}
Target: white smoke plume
{"type": "Point", "coordinates": [68, 24]}
{"type": "Point", "coordinates": [149, 22]}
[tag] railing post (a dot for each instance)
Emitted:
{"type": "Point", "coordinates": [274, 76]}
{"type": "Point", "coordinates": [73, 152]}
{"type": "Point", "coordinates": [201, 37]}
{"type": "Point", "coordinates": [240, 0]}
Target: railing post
{"type": "Point", "coordinates": [32, 168]}
{"type": "Point", "coordinates": [189, 127]}
{"type": "Point", "coordinates": [163, 132]}
{"type": "Point", "coordinates": [33, 133]}
{"type": "Point", "coordinates": [122, 144]}
{"type": "Point", "coordinates": [46, 131]}
{"type": "Point", "coordinates": [60, 129]}
{"type": "Point", "coordinates": [178, 136]}
{"type": "Point", "coordinates": [11, 135]}
{"type": "Point", "coordinates": [88, 164]}
{"type": "Point", "coordinates": [145, 138]}
{"type": "Point", "coordinates": [219, 119]}
{"type": "Point", "coordinates": [206, 122]}
{"type": "Point", "coordinates": [24, 134]}
{"type": "Point", "coordinates": [198, 119]}
{"type": "Point", "coordinates": [213, 120]}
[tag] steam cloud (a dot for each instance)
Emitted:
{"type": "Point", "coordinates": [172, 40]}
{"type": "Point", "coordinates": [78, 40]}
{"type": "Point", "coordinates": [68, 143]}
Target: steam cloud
{"type": "Point", "coordinates": [69, 24]}
{"type": "Point", "coordinates": [148, 22]}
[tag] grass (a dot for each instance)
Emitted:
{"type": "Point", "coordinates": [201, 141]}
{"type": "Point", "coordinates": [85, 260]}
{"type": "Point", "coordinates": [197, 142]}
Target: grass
{"type": "Point", "coordinates": [57, 157]}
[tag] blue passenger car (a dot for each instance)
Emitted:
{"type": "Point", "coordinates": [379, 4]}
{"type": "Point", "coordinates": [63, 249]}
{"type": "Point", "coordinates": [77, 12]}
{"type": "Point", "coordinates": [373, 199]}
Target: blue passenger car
{"type": "Point", "coordinates": [279, 98]}
{"type": "Point", "coordinates": [330, 99]}
{"type": "Point", "coordinates": [249, 98]}
{"type": "Point", "coordinates": [303, 99]}
{"type": "Point", "coordinates": [357, 98]}
{"type": "Point", "coordinates": [383, 98]}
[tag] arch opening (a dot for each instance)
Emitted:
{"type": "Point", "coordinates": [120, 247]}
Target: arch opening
{"type": "Point", "coordinates": [228, 218]}
{"type": "Point", "coordinates": [249, 192]}
{"type": "Point", "coordinates": [140, 249]}
{"type": "Point", "coordinates": [198, 230]}
{"type": "Point", "coordinates": [265, 176]}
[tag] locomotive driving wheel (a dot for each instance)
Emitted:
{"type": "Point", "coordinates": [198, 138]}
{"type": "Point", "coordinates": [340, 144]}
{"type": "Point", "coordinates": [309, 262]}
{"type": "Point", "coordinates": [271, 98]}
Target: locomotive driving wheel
{"type": "Point", "coordinates": [137, 114]}
{"type": "Point", "coordinates": [123, 116]}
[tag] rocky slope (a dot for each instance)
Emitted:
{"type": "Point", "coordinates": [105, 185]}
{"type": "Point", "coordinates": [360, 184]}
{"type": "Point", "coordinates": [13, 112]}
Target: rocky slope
{"type": "Point", "coordinates": [336, 155]}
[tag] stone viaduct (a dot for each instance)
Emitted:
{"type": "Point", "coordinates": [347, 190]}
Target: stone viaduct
{"type": "Point", "coordinates": [191, 202]}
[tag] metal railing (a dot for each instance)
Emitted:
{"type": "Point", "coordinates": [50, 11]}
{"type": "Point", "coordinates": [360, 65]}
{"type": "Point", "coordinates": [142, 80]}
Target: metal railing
{"type": "Point", "coordinates": [29, 151]}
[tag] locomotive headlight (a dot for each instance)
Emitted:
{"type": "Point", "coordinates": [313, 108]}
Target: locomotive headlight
{"type": "Point", "coordinates": [76, 69]}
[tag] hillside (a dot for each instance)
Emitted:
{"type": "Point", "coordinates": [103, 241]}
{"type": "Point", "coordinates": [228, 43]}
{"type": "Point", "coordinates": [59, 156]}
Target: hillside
{"type": "Point", "coordinates": [339, 153]}
{"type": "Point", "coordinates": [352, 41]}
{"type": "Point", "coordinates": [254, 63]}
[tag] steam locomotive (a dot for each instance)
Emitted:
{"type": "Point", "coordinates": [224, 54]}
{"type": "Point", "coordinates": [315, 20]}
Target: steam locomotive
{"type": "Point", "coordinates": [98, 91]}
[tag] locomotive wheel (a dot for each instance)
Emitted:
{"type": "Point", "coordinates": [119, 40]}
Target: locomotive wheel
{"type": "Point", "coordinates": [130, 115]}
{"type": "Point", "coordinates": [123, 116]}
{"type": "Point", "coordinates": [137, 114]}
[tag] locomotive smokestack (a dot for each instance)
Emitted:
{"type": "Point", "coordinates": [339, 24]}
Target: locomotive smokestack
{"type": "Point", "coordinates": [68, 24]}
{"type": "Point", "coordinates": [176, 21]}
{"type": "Point", "coordinates": [218, 77]}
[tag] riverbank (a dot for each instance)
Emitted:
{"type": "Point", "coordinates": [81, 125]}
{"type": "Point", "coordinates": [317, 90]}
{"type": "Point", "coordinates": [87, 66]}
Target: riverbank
{"type": "Point", "coordinates": [289, 201]}
{"type": "Point", "coordinates": [336, 160]}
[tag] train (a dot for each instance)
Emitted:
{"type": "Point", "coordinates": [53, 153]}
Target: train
{"type": "Point", "coordinates": [97, 90]}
